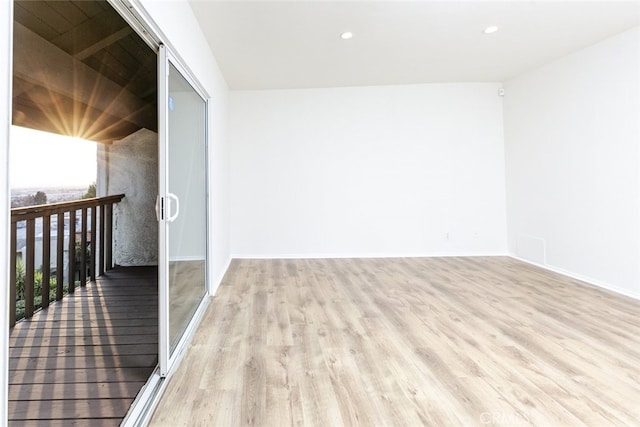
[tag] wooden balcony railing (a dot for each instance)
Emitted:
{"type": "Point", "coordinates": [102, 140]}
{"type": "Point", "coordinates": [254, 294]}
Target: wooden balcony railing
{"type": "Point", "coordinates": [87, 224]}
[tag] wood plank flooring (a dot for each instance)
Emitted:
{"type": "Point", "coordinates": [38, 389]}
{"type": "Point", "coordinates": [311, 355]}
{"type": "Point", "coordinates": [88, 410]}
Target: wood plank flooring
{"type": "Point", "coordinates": [407, 342]}
{"type": "Point", "coordinates": [82, 361]}
{"type": "Point", "coordinates": [187, 281]}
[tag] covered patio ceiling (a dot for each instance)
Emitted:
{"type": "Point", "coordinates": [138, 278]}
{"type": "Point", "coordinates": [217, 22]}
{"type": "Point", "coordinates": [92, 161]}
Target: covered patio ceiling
{"type": "Point", "coordinates": [80, 70]}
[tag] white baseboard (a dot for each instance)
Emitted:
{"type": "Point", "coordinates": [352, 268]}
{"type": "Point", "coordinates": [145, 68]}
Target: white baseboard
{"type": "Point", "coordinates": [187, 258]}
{"type": "Point", "coordinates": [368, 255]}
{"type": "Point", "coordinates": [588, 280]}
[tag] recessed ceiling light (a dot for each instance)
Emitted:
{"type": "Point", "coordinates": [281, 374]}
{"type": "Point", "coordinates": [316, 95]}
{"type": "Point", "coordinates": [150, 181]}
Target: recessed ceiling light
{"type": "Point", "coordinates": [346, 35]}
{"type": "Point", "coordinates": [490, 30]}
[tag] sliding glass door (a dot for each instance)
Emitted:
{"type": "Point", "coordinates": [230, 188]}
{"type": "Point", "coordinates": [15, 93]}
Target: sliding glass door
{"type": "Point", "coordinates": [182, 205]}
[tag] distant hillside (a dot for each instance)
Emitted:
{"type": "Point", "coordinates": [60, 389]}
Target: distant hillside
{"type": "Point", "coordinates": [21, 197]}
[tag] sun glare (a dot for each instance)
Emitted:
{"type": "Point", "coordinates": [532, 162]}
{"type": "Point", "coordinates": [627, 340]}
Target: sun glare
{"type": "Point", "coordinates": [44, 160]}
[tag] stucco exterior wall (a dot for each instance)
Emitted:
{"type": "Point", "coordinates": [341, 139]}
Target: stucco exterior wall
{"type": "Point", "coordinates": [131, 166]}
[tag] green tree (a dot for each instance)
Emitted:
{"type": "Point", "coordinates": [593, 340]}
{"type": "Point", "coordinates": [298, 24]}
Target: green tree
{"type": "Point", "coordinates": [20, 273]}
{"type": "Point", "coordinates": [91, 192]}
{"type": "Point", "coordinates": [40, 198]}
{"type": "Point", "coordinates": [37, 289]}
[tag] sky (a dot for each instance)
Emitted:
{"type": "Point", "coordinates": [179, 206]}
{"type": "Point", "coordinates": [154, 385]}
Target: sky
{"type": "Point", "coordinates": [45, 160]}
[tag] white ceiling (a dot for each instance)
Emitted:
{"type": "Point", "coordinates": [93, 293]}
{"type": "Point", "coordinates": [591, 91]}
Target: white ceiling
{"type": "Point", "coordinates": [297, 44]}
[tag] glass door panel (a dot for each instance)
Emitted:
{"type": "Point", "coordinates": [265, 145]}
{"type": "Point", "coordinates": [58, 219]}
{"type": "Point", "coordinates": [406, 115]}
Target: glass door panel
{"type": "Point", "coordinates": [187, 199]}
{"type": "Point", "coordinates": [182, 205]}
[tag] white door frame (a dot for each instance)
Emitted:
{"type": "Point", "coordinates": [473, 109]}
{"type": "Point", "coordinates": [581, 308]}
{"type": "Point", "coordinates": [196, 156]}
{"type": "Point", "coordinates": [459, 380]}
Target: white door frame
{"type": "Point", "coordinates": [161, 209]}
{"type": "Point", "coordinates": [6, 73]}
{"type": "Point", "coordinates": [168, 207]}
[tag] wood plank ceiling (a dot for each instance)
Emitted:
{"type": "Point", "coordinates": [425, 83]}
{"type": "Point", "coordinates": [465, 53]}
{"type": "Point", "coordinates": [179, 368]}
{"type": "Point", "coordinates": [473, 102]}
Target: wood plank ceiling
{"type": "Point", "coordinates": [80, 70]}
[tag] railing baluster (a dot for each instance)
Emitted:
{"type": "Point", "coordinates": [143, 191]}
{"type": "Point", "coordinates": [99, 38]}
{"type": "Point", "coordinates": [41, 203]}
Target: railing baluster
{"type": "Point", "coordinates": [46, 259]}
{"type": "Point", "coordinates": [72, 251]}
{"type": "Point", "coordinates": [60, 257]}
{"type": "Point", "coordinates": [108, 240]}
{"type": "Point", "coordinates": [29, 269]}
{"type": "Point", "coordinates": [102, 244]}
{"type": "Point", "coordinates": [101, 223]}
{"type": "Point", "coordinates": [92, 257]}
{"type": "Point", "coordinates": [12, 274]}
{"type": "Point", "coordinates": [83, 249]}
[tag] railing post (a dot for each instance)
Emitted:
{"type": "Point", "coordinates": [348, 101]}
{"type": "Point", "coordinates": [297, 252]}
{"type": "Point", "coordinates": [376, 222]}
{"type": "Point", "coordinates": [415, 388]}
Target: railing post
{"type": "Point", "coordinates": [46, 259]}
{"type": "Point", "coordinates": [109, 237]}
{"type": "Point", "coordinates": [102, 244]}
{"type": "Point", "coordinates": [29, 268]}
{"type": "Point", "coordinates": [60, 257]}
{"type": "Point", "coordinates": [72, 251]}
{"type": "Point", "coordinates": [12, 274]}
{"type": "Point", "coordinates": [92, 257]}
{"type": "Point", "coordinates": [83, 249]}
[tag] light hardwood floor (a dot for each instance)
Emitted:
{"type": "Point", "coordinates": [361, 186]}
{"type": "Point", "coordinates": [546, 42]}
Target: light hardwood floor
{"type": "Point", "coordinates": [186, 289]}
{"type": "Point", "coordinates": [435, 341]}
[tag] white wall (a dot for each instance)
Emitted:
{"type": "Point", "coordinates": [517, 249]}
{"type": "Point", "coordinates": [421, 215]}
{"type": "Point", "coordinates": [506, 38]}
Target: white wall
{"type": "Point", "coordinates": [572, 142]}
{"type": "Point", "coordinates": [179, 25]}
{"type": "Point", "coordinates": [368, 171]}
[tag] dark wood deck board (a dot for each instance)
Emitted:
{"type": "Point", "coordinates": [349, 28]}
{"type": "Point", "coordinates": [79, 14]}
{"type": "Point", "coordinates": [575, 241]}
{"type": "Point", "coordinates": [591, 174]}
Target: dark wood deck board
{"type": "Point", "coordinates": [119, 390]}
{"type": "Point", "coordinates": [122, 361]}
{"type": "Point", "coordinates": [107, 348]}
{"type": "Point", "coordinates": [69, 409]}
{"type": "Point", "coordinates": [83, 360]}
{"type": "Point", "coordinates": [85, 332]}
{"type": "Point", "coordinates": [94, 323]}
{"type": "Point", "coordinates": [92, 422]}
{"type": "Point", "coordinates": [48, 341]}
{"type": "Point", "coordinates": [71, 375]}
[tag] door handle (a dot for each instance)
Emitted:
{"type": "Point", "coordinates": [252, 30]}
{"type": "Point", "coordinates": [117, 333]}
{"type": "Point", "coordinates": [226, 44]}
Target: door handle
{"type": "Point", "coordinates": [170, 197]}
{"type": "Point", "coordinates": [158, 201]}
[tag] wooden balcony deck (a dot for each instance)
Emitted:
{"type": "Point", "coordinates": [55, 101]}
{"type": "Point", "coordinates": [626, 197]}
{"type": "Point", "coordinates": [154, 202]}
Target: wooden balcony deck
{"type": "Point", "coordinates": [83, 360]}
